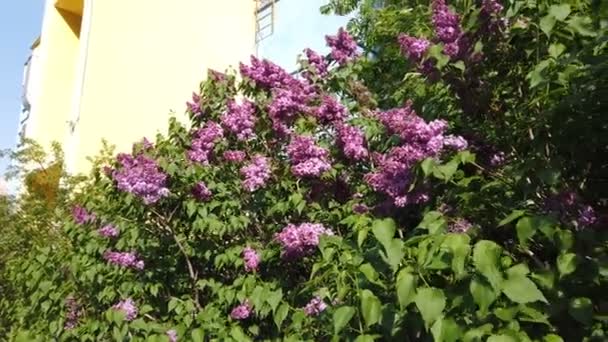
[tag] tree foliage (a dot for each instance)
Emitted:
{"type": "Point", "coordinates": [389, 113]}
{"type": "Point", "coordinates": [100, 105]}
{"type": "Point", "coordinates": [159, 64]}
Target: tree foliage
{"type": "Point", "coordinates": [446, 183]}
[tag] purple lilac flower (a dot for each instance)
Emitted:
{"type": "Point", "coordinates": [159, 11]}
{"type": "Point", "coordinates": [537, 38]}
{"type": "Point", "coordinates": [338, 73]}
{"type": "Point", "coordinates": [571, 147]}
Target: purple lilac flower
{"type": "Point", "coordinates": [352, 141]}
{"type": "Point", "coordinates": [107, 170]}
{"type": "Point", "coordinates": [299, 240]}
{"type": "Point", "coordinates": [172, 335]}
{"type": "Point", "coordinates": [124, 259]}
{"type": "Point", "coordinates": [195, 106]}
{"type": "Point", "coordinates": [240, 119]}
{"type": "Point", "coordinates": [360, 208]}
{"type": "Point", "coordinates": [285, 106]}
{"type": "Point", "coordinates": [141, 176]}
{"type": "Point", "coordinates": [330, 110]}
{"type": "Point", "coordinates": [447, 27]}
{"type": "Point", "coordinates": [586, 217]}
{"type": "Point", "coordinates": [216, 75]}
{"type": "Point", "coordinates": [343, 46]}
{"type": "Point", "coordinates": [234, 156]}
{"type": "Point", "coordinates": [497, 159]}
{"type": "Point", "coordinates": [201, 192]}
{"type": "Point", "coordinates": [256, 174]}
{"type": "Point", "coordinates": [242, 311]}
{"type": "Point", "coordinates": [491, 7]}
{"type": "Point", "coordinates": [317, 62]}
{"type": "Point", "coordinates": [267, 74]}
{"type": "Point", "coordinates": [315, 306]}
{"type": "Point", "coordinates": [251, 258]}
{"type": "Point", "coordinates": [82, 216]}
{"type": "Point", "coordinates": [204, 141]}
{"type": "Point", "coordinates": [457, 143]}
{"type": "Point", "coordinates": [108, 230]}
{"type": "Point", "coordinates": [128, 307]}
{"type": "Point", "coordinates": [73, 313]}
{"type": "Point", "coordinates": [460, 226]}
{"type": "Point", "coordinates": [413, 48]}
{"type": "Point", "coordinates": [307, 159]}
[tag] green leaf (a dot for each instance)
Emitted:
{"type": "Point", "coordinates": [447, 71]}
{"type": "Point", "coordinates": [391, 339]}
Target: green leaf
{"type": "Point", "coordinates": [518, 270]}
{"type": "Point", "coordinates": [361, 236]}
{"type": "Point", "coordinates": [483, 294]}
{"type": "Point", "coordinates": [476, 334]}
{"type": "Point", "coordinates": [515, 214]}
{"type": "Point", "coordinates": [555, 50]}
{"type": "Point", "coordinates": [427, 166]}
{"type": "Point", "coordinates": [395, 253]}
{"type": "Point", "coordinates": [198, 335]}
{"type": "Point", "coordinates": [560, 12]}
{"type": "Point", "coordinates": [434, 222]}
{"type": "Point", "coordinates": [365, 338]}
{"type": "Point", "coordinates": [431, 302]}
{"type": "Point", "coordinates": [552, 338]}
{"type": "Point", "coordinates": [384, 231]}
{"type": "Point", "coordinates": [522, 290]}
{"type": "Point", "coordinates": [342, 316]}
{"type": "Point", "coordinates": [501, 338]}
{"type": "Point", "coordinates": [525, 230]}
{"type": "Point", "coordinates": [566, 263]}
{"type": "Point", "coordinates": [274, 298]}
{"type": "Point", "coordinates": [582, 26]}
{"type": "Point", "coordinates": [371, 308]}
{"type": "Point", "coordinates": [446, 329]}
{"type": "Point", "coordinates": [459, 245]}
{"type": "Point", "coordinates": [406, 288]}
{"type": "Point", "coordinates": [446, 171]}
{"type": "Point", "coordinates": [368, 270]}
{"type": "Point", "coordinates": [547, 23]}
{"type": "Point", "coordinates": [436, 51]}
{"type": "Point", "coordinates": [281, 314]}
{"type": "Point", "coordinates": [581, 309]}
{"type": "Point", "coordinates": [486, 257]}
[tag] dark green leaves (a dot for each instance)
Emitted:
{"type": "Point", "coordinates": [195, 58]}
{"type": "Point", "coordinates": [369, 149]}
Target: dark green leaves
{"type": "Point", "coordinates": [341, 317]}
{"type": "Point", "coordinates": [486, 255]}
{"type": "Point", "coordinates": [371, 308]}
{"type": "Point", "coordinates": [431, 302]}
{"type": "Point", "coordinates": [406, 288]}
{"type": "Point", "coordinates": [483, 294]}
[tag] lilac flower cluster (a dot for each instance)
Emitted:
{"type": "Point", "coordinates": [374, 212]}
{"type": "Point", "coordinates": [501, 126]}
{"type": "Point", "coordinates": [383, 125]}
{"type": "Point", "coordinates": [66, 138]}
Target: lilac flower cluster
{"type": "Point", "coordinates": [413, 48]}
{"type": "Point", "coordinates": [128, 307]}
{"type": "Point", "coordinates": [172, 335]}
{"type": "Point", "coordinates": [195, 106]}
{"type": "Point", "coordinates": [315, 306]}
{"type": "Point", "coordinates": [256, 174]}
{"type": "Point", "coordinates": [240, 119]}
{"type": "Point", "coordinates": [490, 7]}
{"type": "Point", "coordinates": [307, 159]}
{"type": "Point", "coordinates": [251, 258]}
{"type": "Point", "coordinates": [330, 110]}
{"type": "Point", "coordinates": [352, 141]}
{"type": "Point", "coordinates": [317, 62]}
{"type": "Point", "coordinates": [234, 156]}
{"type": "Point", "coordinates": [242, 311]}
{"type": "Point", "coordinates": [568, 206]}
{"type": "Point", "coordinates": [82, 216]}
{"type": "Point", "coordinates": [460, 226]}
{"type": "Point", "coordinates": [447, 28]}
{"type": "Point", "coordinates": [124, 259]}
{"type": "Point", "coordinates": [201, 192]}
{"type": "Point", "coordinates": [497, 159]}
{"type": "Point", "coordinates": [141, 176]}
{"type": "Point", "coordinates": [343, 46]}
{"type": "Point", "coordinates": [73, 313]}
{"type": "Point", "coordinates": [285, 106]}
{"type": "Point", "coordinates": [266, 74]}
{"type": "Point", "coordinates": [419, 140]}
{"type": "Point", "coordinates": [108, 230]}
{"type": "Point", "coordinates": [299, 240]}
{"type": "Point", "coordinates": [204, 142]}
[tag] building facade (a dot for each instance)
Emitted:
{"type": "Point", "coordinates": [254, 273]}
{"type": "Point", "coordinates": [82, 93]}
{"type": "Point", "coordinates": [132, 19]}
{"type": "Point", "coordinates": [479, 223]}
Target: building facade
{"type": "Point", "coordinates": [114, 69]}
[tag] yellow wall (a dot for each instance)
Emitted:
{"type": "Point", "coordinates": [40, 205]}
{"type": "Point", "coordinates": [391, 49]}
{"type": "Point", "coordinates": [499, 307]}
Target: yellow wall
{"type": "Point", "coordinates": [58, 55]}
{"type": "Point", "coordinates": [144, 58]}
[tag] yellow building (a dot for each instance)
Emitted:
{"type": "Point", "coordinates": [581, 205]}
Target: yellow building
{"type": "Point", "coordinates": [114, 69]}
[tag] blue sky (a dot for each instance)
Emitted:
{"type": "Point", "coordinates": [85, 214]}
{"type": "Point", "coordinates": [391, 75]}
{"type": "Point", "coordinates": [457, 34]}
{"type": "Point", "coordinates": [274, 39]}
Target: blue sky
{"type": "Point", "coordinates": [298, 25]}
{"type": "Point", "coordinates": [19, 26]}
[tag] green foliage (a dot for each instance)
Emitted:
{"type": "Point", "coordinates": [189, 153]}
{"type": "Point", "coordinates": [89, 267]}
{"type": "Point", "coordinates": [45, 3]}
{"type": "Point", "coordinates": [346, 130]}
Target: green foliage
{"type": "Point", "coordinates": [520, 270]}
